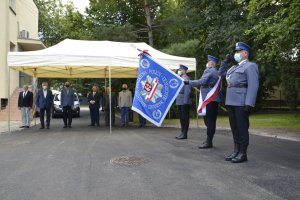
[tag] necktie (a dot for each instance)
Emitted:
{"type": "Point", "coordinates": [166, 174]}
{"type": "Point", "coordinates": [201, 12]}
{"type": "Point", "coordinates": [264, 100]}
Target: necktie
{"type": "Point", "coordinates": [93, 94]}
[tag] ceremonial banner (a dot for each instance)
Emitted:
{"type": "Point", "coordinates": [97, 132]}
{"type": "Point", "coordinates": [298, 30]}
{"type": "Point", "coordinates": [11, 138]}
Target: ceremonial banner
{"type": "Point", "coordinates": [211, 95]}
{"type": "Point", "coordinates": [155, 91]}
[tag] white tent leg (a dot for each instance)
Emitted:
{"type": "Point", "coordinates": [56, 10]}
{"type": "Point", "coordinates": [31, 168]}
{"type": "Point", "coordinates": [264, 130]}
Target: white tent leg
{"type": "Point", "coordinates": [8, 92]}
{"type": "Point", "coordinates": [35, 92]}
{"type": "Point", "coordinates": [110, 128]}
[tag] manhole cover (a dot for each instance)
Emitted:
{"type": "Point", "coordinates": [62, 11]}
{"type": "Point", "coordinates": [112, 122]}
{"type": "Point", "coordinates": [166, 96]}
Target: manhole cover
{"type": "Point", "coordinates": [129, 161]}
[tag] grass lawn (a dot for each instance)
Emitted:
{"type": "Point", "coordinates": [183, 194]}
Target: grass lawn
{"type": "Point", "coordinates": [263, 121]}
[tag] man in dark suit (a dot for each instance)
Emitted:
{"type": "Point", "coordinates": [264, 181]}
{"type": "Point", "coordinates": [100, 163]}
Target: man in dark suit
{"type": "Point", "coordinates": [25, 102]}
{"type": "Point", "coordinates": [106, 106]}
{"type": "Point", "coordinates": [67, 102]}
{"type": "Point", "coordinates": [94, 104]}
{"type": "Point", "coordinates": [44, 101]}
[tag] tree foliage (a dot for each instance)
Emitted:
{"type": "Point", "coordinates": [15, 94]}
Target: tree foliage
{"type": "Point", "coordinates": [192, 28]}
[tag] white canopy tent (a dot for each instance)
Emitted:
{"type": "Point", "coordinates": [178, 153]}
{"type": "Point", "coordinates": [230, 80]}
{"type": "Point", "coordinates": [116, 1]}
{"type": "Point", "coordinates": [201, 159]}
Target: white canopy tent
{"type": "Point", "coordinates": [90, 59]}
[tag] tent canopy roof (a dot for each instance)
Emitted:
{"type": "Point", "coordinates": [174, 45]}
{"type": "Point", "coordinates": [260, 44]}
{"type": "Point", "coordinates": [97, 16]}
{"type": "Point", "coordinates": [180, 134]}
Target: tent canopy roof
{"type": "Point", "coordinates": [90, 59]}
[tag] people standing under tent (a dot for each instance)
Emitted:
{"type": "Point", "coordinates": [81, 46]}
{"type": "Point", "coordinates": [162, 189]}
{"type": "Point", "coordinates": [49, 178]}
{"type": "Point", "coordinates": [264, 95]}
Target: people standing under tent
{"type": "Point", "coordinates": [44, 101]}
{"type": "Point", "coordinates": [125, 103]}
{"type": "Point", "coordinates": [67, 103]}
{"type": "Point", "coordinates": [25, 102]}
{"type": "Point", "coordinates": [94, 99]}
{"type": "Point", "coordinates": [109, 95]}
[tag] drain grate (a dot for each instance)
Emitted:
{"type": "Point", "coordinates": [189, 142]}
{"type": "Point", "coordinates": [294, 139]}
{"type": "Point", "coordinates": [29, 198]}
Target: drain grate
{"type": "Point", "coordinates": [129, 161]}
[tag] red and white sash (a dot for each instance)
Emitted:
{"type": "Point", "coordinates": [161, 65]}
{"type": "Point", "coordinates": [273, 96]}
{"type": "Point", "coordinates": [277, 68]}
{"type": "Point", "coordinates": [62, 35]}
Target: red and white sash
{"type": "Point", "coordinates": [211, 95]}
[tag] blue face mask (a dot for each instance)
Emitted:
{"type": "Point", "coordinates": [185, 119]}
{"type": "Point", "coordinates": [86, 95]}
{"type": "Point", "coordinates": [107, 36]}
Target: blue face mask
{"type": "Point", "coordinates": [237, 57]}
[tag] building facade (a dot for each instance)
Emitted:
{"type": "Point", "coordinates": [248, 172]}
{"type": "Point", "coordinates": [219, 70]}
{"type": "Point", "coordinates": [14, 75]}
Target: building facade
{"type": "Point", "coordinates": [19, 32]}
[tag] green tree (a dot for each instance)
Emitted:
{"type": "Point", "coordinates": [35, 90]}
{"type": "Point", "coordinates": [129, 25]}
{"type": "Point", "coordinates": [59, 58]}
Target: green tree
{"type": "Point", "coordinates": [58, 22]}
{"type": "Point", "coordinates": [276, 34]}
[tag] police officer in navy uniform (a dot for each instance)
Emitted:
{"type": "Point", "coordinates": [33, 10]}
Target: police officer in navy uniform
{"type": "Point", "coordinates": [183, 102]}
{"type": "Point", "coordinates": [242, 86]}
{"type": "Point", "coordinates": [207, 81]}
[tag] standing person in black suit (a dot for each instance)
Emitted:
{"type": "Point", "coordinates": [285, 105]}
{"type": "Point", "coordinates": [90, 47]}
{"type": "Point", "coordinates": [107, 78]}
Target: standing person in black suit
{"type": "Point", "coordinates": [67, 102]}
{"type": "Point", "coordinates": [44, 100]}
{"type": "Point", "coordinates": [25, 102]}
{"type": "Point", "coordinates": [94, 99]}
{"type": "Point", "coordinates": [106, 106]}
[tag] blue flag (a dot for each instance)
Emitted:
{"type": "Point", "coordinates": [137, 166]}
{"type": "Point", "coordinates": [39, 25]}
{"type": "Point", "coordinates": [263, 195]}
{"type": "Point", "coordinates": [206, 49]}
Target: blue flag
{"type": "Point", "coordinates": [156, 89]}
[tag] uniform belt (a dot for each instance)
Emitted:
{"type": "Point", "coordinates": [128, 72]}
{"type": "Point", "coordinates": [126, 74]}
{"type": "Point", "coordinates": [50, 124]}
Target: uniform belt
{"type": "Point", "coordinates": [240, 85]}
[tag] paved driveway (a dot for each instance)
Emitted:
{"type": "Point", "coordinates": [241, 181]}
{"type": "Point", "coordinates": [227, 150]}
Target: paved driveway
{"type": "Point", "coordinates": [83, 163]}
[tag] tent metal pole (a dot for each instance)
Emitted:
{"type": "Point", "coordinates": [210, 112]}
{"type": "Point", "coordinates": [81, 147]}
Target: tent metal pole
{"type": "Point", "coordinates": [196, 101]}
{"type": "Point", "coordinates": [35, 91]}
{"type": "Point", "coordinates": [8, 92]}
{"type": "Point", "coordinates": [110, 128]}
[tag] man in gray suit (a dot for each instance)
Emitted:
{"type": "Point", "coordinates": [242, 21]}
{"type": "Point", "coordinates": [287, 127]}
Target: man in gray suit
{"type": "Point", "coordinates": [67, 103]}
{"type": "Point", "coordinates": [183, 102]}
{"type": "Point", "coordinates": [207, 81]}
{"type": "Point", "coordinates": [242, 86]}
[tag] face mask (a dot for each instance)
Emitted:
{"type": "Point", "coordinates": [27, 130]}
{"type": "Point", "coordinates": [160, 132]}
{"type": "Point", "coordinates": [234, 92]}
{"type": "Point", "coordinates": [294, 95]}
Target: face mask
{"type": "Point", "coordinates": [179, 73]}
{"type": "Point", "coordinates": [45, 87]}
{"type": "Point", "coordinates": [67, 85]}
{"type": "Point", "coordinates": [237, 57]}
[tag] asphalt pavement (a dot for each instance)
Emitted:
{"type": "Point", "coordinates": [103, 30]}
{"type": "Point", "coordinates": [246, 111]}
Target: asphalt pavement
{"type": "Point", "coordinates": [89, 163]}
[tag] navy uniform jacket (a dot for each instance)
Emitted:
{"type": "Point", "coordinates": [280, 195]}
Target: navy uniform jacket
{"type": "Point", "coordinates": [67, 99]}
{"type": "Point", "coordinates": [244, 73]}
{"type": "Point", "coordinates": [207, 81]}
{"type": "Point", "coordinates": [184, 94]}
{"type": "Point", "coordinates": [43, 102]}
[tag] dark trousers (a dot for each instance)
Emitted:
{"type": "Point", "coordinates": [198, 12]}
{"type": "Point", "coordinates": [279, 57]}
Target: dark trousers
{"type": "Point", "coordinates": [210, 119]}
{"type": "Point", "coordinates": [142, 121]}
{"type": "Point", "coordinates": [94, 113]}
{"type": "Point", "coordinates": [124, 115]}
{"type": "Point", "coordinates": [239, 124]}
{"type": "Point", "coordinates": [184, 114]}
{"type": "Point", "coordinates": [42, 116]}
{"type": "Point", "coordinates": [107, 120]}
{"type": "Point", "coordinates": [67, 115]}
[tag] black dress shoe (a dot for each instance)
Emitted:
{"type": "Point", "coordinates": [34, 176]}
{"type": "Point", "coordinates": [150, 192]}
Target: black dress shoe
{"type": "Point", "coordinates": [92, 125]}
{"type": "Point", "coordinates": [48, 127]}
{"type": "Point", "coordinates": [42, 127]}
{"type": "Point", "coordinates": [65, 126]}
{"type": "Point", "coordinates": [205, 145]}
{"type": "Point", "coordinates": [26, 126]}
{"type": "Point", "coordinates": [22, 126]}
{"type": "Point", "coordinates": [231, 156]}
{"type": "Point", "coordinates": [241, 157]}
{"type": "Point", "coordinates": [182, 136]}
